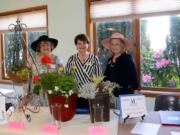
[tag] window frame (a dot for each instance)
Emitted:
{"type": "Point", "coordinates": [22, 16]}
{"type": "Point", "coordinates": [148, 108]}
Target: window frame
{"type": "Point", "coordinates": [3, 79]}
{"type": "Point", "coordinates": [91, 32]}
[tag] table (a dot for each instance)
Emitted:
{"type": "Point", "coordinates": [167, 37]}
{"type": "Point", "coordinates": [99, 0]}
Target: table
{"type": "Point", "coordinates": [77, 126]}
{"type": "Point", "coordinates": [151, 117]}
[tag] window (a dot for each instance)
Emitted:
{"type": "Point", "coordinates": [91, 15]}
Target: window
{"type": "Point", "coordinates": [35, 28]}
{"type": "Point", "coordinates": [152, 27]}
{"type": "Point", "coordinates": [160, 51]}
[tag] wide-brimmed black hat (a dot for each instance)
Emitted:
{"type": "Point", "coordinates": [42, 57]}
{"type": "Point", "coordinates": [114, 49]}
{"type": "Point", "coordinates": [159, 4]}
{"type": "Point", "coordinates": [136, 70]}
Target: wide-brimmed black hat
{"type": "Point", "coordinates": [35, 44]}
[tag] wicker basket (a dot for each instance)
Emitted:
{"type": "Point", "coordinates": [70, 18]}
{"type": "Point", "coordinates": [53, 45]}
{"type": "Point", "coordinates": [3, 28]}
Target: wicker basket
{"type": "Point", "coordinates": [16, 78]}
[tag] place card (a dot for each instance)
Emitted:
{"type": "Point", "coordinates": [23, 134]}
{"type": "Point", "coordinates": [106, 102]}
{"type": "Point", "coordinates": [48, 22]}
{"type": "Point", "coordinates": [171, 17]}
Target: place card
{"type": "Point", "coordinates": [132, 105]}
{"type": "Point", "coordinates": [49, 128]}
{"type": "Point", "coordinates": [16, 125]}
{"type": "Point", "coordinates": [97, 130]}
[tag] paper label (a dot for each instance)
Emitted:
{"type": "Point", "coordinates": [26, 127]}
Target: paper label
{"type": "Point", "coordinates": [132, 105]}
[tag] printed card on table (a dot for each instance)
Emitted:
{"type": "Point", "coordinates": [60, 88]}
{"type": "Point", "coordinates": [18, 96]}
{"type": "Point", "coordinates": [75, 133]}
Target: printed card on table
{"type": "Point", "coordinates": [132, 105]}
{"type": "Point", "coordinates": [3, 118]}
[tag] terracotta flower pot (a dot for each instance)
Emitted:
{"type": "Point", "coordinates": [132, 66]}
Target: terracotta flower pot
{"type": "Point", "coordinates": [66, 113]}
{"type": "Point", "coordinates": [103, 100]}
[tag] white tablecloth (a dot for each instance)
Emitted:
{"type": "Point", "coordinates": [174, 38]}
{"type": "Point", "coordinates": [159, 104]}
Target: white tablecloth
{"type": "Point", "coordinates": [77, 126]}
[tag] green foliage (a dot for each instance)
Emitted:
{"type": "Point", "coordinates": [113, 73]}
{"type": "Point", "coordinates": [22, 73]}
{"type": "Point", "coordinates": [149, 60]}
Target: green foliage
{"type": "Point", "coordinates": [56, 84]}
{"type": "Point", "coordinates": [37, 89]}
{"type": "Point", "coordinates": [97, 79]}
{"type": "Point", "coordinates": [173, 42]}
{"type": "Point", "coordinates": [49, 80]}
{"type": "Point", "coordinates": [66, 82]}
{"type": "Point", "coordinates": [165, 77]}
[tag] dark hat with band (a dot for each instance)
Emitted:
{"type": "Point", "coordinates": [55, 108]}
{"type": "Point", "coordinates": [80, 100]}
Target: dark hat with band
{"type": "Point", "coordinates": [35, 44]}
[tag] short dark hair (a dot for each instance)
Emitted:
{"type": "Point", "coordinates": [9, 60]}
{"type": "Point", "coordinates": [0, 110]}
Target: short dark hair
{"type": "Point", "coordinates": [81, 37]}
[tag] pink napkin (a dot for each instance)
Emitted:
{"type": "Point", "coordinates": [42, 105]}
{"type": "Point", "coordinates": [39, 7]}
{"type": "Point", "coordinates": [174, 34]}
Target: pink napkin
{"type": "Point", "coordinates": [49, 128]}
{"type": "Point", "coordinates": [97, 130]}
{"type": "Point", "coordinates": [16, 125]}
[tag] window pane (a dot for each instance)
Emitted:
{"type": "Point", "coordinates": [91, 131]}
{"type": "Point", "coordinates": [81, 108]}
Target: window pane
{"type": "Point", "coordinates": [14, 42]}
{"type": "Point", "coordinates": [160, 51]}
{"type": "Point", "coordinates": [12, 50]}
{"type": "Point", "coordinates": [104, 30]}
{"type": "Point", "coordinates": [38, 19]}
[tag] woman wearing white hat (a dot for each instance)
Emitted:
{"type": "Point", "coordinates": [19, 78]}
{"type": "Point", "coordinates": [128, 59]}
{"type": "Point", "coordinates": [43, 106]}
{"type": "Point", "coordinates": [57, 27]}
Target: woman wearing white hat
{"type": "Point", "coordinates": [120, 67]}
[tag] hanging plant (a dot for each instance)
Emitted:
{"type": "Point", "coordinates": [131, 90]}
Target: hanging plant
{"type": "Point", "coordinates": [18, 71]}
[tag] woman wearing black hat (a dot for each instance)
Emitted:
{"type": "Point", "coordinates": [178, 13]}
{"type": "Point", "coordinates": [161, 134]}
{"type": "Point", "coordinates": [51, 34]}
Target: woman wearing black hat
{"type": "Point", "coordinates": [43, 46]}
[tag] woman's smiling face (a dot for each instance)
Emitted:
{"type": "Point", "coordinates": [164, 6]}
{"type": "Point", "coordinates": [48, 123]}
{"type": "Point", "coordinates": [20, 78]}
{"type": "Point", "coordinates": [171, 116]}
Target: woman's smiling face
{"type": "Point", "coordinates": [117, 46]}
{"type": "Point", "coordinates": [82, 46]}
{"type": "Point", "coordinates": [45, 47]}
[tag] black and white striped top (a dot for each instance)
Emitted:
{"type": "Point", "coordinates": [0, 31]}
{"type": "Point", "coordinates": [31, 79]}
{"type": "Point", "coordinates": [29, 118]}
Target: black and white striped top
{"type": "Point", "coordinates": [83, 71]}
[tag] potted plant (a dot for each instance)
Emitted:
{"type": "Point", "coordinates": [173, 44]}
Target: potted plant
{"type": "Point", "coordinates": [60, 88]}
{"type": "Point", "coordinates": [98, 92]}
{"type": "Point", "coordinates": [19, 73]}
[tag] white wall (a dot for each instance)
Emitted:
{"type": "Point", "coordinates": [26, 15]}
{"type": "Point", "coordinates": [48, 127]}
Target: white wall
{"type": "Point", "coordinates": [66, 18]}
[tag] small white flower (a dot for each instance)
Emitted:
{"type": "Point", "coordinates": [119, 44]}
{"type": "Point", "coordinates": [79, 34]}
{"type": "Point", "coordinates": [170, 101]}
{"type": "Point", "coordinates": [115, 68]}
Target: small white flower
{"type": "Point", "coordinates": [62, 91]}
{"type": "Point", "coordinates": [88, 91]}
{"type": "Point", "coordinates": [49, 91]}
{"type": "Point", "coordinates": [71, 92]}
{"type": "Point", "coordinates": [66, 95]}
{"type": "Point", "coordinates": [66, 105]}
{"type": "Point", "coordinates": [56, 88]}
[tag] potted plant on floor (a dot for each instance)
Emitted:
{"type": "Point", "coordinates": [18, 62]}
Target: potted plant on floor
{"type": "Point", "coordinates": [61, 89]}
{"type": "Point", "coordinates": [98, 92]}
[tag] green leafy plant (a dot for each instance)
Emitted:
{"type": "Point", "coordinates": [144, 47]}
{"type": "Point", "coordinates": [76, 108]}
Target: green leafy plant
{"type": "Point", "coordinates": [55, 83]}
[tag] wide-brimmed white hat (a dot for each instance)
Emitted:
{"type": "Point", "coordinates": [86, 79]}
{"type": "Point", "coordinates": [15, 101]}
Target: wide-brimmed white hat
{"type": "Point", "coordinates": [107, 41]}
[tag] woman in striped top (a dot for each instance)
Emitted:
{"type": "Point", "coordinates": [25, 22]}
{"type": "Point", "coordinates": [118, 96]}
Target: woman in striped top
{"type": "Point", "coordinates": [83, 65]}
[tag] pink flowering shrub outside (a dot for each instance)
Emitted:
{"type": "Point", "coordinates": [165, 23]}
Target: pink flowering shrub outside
{"type": "Point", "coordinates": [159, 71]}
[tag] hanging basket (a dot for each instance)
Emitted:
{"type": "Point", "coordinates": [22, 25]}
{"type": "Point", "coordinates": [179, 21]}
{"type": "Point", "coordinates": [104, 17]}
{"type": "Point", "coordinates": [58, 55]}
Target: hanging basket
{"type": "Point", "coordinates": [19, 74]}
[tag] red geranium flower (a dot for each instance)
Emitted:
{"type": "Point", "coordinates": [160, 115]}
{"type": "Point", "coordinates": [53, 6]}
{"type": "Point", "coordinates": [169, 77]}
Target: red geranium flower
{"type": "Point", "coordinates": [35, 78]}
{"type": "Point", "coordinates": [46, 60]}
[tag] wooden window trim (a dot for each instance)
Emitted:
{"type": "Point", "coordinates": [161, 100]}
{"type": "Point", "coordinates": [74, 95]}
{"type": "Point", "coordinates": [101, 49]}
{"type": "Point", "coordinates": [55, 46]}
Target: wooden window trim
{"type": "Point", "coordinates": [149, 91]}
{"type": "Point", "coordinates": [88, 22]}
{"type": "Point", "coordinates": [17, 11]}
